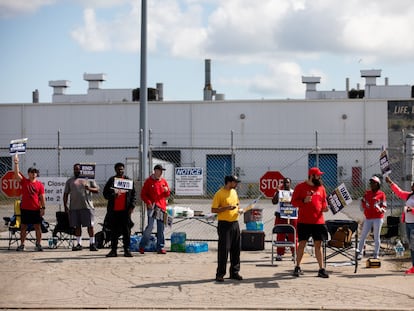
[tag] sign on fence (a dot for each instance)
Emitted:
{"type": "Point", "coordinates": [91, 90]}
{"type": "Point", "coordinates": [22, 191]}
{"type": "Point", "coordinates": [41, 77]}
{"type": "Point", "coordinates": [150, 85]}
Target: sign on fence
{"type": "Point", "coordinates": [189, 180]}
{"type": "Point", "coordinates": [54, 188]}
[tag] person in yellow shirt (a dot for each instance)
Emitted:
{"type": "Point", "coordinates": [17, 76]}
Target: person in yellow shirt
{"type": "Point", "coordinates": [227, 206]}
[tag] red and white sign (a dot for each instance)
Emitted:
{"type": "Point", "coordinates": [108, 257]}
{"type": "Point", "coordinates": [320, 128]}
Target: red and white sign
{"type": "Point", "coordinates": [270, 182]}
{"type": "Point", "coordinates": [10, 186]}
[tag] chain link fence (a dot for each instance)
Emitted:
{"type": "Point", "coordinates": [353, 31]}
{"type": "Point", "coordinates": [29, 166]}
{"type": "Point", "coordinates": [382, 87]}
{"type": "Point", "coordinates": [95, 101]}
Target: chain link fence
{"type": "Point", "coordinates": [351, 166]}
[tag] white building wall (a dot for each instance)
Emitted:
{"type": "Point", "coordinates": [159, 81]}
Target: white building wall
{"type": "Point", "coordinates": [257, 124]}
{"type": "Point", "coordinates": [339, 123]}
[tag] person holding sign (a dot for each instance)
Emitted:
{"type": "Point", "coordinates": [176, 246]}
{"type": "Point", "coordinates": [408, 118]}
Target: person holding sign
{"type": "Point", "coordinates": [374, 204]}
{"type": "Point", "coordinates": [407, 215]}
{"type": "Point", "coordinates": [282, 199]}
{"type": "Point", "coordinates": [32, 205]}
{"type": "Point", "coordinates": [154, 194]}
{"type": "Point", "coordinates": [310, 197]}
{"type": "Point", "coordinates": [81, 210]}
{"type": "Point", "coordinates": [121, 203]}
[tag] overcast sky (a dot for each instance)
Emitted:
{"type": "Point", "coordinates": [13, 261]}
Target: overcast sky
{"type": "Point", "coordinates": [259, 49]}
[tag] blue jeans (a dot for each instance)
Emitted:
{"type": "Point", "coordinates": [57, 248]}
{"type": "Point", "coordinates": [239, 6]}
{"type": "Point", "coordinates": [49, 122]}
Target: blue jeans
{"type": "Point", "coordinates": [375, 223]}
{"type": "Point", "coordinates": [409, 228]}
{"type": "Point", "coordinates": [148, 230]}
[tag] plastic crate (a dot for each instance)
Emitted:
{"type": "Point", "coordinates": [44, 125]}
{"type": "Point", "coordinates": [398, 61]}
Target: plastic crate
{"type": "Point", "coordinates": [196, 247]}
{"type": "Point", "coordinates": [255, 226]}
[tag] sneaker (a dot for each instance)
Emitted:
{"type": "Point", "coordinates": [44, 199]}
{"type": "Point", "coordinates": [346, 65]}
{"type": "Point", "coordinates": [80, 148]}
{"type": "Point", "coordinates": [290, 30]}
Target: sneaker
{"type": "Point", "coordinates": [141, 250]}
{"type": "Point", "coordinates": [162, 251]}
{"type": "Point", "coordinates": [359, 257]}
{"type": "Point", "coordinates": [219, 279]}
{"type": "Point", "coordinates": [127, 253]}
{"type": "Point", "coordinates": [112, 254]}
{"type": "Point", "coordinates": [77, 248]}
{"type": "Point", "coordinates": [278, 257]}
{"type": "Point", "coordinates": [38, 248]}
{"type": "Point", "coordinates": [322, 274]}
{"type": "Point", "coordinates": [297, 272]}
{"type": "Point", "coordinates": [236, 276]}
{"type": "Point", "coordinates": [20, 248]}
{"type": "Point", "coordinates": [93, 247]}
{"type": "Point", "coordinates": [410, 271]}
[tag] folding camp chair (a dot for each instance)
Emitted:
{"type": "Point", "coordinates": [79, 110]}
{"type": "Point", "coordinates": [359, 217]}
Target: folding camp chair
{"type": "Point", "coordinates": [62, 232]}
{"type": "Point", "coordinates": [14, 224]}
{"type": "Point", "coordinates": [283, 229]}
{"type": "Point", "coordinates": [391, 233]}
{"type": "Point", "coordinates": [348, 250]}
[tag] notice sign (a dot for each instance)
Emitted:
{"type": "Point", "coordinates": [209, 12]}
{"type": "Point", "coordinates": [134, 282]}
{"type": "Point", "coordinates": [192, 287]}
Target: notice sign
{"type": "Point", "coordinates": [189, 180]}
{"type": "Point", "coordinates": [124, 184]}
{"type": "Point", "coordinates": [339, 198]}
{"type": "Point", "coordinates": [87, 170]}
{"type": "Point", "coordinates": [54, 188]}
{"type": "Point", "coordinates": [18, 146]}
{"type": "Point", "coordinates": [385, 163]}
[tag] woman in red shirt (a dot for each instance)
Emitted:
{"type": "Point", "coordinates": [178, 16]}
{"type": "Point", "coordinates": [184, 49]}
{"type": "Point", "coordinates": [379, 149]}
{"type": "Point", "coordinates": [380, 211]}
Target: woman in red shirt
{"type": "Point", "coordinates": [374, 204]}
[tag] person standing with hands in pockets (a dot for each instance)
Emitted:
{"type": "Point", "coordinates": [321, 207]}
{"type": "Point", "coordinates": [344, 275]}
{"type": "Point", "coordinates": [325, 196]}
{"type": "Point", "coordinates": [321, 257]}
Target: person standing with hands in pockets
{"type": "Point", "coordinates": [32, 206]}
{"type": "Point", "coordinates": [227, 206]}
{"type": "Point", "coordinates": [154, 194]}
{"type": "Point", "coordinates": [407, 215]}
{"type": "Point", "coordinates": [310, 197]}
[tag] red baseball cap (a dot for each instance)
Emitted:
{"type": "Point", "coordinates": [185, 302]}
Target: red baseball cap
{"type": "Point", "coordinates": [315, 171]}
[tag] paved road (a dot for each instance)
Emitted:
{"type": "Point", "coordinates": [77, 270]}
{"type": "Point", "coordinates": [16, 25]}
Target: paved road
{"type": "Point", "coordinates": [59, 279]}
{"type": "Point", "coordinates": [64, 280]}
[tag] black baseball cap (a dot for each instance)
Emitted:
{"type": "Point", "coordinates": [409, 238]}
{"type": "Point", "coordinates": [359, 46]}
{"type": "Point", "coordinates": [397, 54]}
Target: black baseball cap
{"type": "Point", "coordinates": [231, 178]}
{"type": "Point", "coordinates": [33, 170]}
{"type": "Point", "coordinates": [159, 167]}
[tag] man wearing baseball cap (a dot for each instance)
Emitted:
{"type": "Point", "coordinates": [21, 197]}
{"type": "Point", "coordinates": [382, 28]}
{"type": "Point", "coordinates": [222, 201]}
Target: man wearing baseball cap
{"type": "Point", "coordinates": [374, 204]}
{"type": "Point", "coordinates": [32, 205]}
{"type": "Point", "coordinates": [310, 197]}
{"type": "Point", "coordinates": [154, 194]}
{"type": "Point", "coordinates": [227, 206]}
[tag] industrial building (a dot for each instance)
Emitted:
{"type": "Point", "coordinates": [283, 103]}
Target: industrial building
{"type": "Point", "coordinates": [343, 132]}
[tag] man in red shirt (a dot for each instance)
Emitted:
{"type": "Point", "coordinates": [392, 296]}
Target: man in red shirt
{"type": "Point", "coordinates": [154, 194]}
{"type": "Point", "coordinates": [310, 197]}
{"type": "Point", "coordinates": [32, 205]}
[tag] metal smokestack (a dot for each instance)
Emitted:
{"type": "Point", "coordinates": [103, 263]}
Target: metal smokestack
{"type": "Point", "coordinates": [208, 89]}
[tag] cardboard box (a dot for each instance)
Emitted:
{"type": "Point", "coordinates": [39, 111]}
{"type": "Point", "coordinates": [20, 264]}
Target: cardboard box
{"type": "Point", "coordinates": [373, 263]}
{"type": "Point", "coordinates": [252, 240]}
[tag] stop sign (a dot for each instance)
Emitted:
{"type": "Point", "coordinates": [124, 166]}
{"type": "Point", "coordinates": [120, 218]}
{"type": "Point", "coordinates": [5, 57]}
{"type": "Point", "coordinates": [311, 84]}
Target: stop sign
{"type": "Point", "coordinates": [10, 186]}
{"type": "Point", "coordinates": [270, 182]}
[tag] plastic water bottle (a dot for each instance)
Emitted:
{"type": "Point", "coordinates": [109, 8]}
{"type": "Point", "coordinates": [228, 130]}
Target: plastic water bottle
{"type": "Point", "coordinates": [399, 249]}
